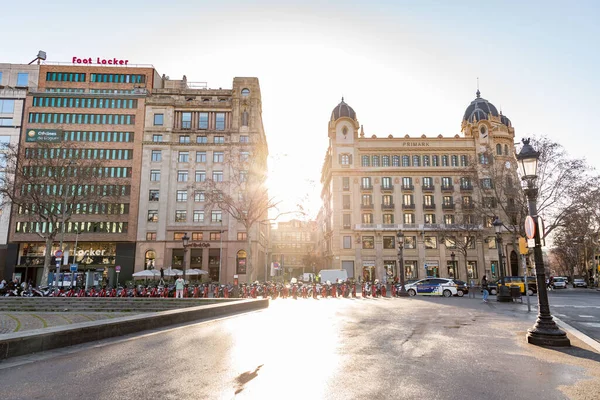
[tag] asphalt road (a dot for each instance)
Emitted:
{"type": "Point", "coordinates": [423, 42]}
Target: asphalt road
{"type": "Point", "coordinates": [579, 308]}
{"type": "Point", "coordinates": [414, 348]}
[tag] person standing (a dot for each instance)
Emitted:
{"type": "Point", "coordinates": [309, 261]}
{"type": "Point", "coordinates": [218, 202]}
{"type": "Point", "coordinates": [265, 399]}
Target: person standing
{"type": "Point", "coordinates": [485, 287]}
{"type": "Point", "coordinates": [179, 287]}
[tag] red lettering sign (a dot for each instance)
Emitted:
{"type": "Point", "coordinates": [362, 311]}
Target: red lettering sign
{"type": "Point", "coordinates": [99, 61]}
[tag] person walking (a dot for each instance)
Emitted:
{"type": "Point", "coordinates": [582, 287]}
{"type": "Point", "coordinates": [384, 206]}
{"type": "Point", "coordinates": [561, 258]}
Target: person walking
{"type": "Point", "coordinates": [179, 287]}
{"type": "Point", "coordinates": [485, 287]}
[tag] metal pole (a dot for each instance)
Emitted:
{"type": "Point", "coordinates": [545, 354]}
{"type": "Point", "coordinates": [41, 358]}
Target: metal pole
{"type": "Point", "coordinates": [400, 236]}
{"type": "Point", "coordinates": [503, 292]}
{"type": "Point", "coordinates": [526, 284]}
{"type": "Point", "coordinates": [545, 332]}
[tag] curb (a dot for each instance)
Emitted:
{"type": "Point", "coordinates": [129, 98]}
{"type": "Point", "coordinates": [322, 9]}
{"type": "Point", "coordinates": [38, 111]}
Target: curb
{"type": "Point", "coordinates": [578, 334]}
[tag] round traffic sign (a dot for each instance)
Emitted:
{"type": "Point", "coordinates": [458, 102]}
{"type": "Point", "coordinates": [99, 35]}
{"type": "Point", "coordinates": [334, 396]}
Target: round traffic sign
{"type": "Point", "coordinates": [118, 268]}
{"type": "Point", "coordinates": [58, 253]}
{"type": "Point", "coordinates": [529, 227]}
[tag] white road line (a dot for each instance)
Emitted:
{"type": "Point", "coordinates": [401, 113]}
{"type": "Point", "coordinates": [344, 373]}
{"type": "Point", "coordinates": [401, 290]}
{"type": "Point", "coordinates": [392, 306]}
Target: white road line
{"type": "Point", "coordinates": [579, 335]}
{"type": "Point", "coordinates": [586, 316]}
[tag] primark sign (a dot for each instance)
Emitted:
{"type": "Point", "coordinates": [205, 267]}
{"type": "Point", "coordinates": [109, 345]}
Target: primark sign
{"type": "Point", "coordinates": [44, 135]}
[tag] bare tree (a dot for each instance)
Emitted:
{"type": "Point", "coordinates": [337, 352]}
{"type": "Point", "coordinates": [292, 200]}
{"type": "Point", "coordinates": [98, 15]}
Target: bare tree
{"type": "Point", "coordinates": [47, 184]}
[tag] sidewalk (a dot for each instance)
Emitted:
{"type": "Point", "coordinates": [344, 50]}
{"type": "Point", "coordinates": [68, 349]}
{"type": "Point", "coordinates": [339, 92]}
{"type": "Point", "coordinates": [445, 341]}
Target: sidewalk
{"type": "Point", "coordinates": [11, 322]}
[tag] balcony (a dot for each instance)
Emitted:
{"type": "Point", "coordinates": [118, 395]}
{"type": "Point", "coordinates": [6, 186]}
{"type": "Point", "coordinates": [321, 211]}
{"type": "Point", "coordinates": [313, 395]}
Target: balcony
{"type": "Point", "coordinates": [408, 187]}
{"type": "Point", "coordinates": [366, 187]}
{"type": "Point", "coordinates": [408, 206]}
{"type": "Point", "coordinates": [387, 206]}
{"type": "Point", "coordinates": [428, 188]}
{"type": "Point", "coordinates": [428, 206]}
{"type": "Point", "coordinates": [447, 188]}
{"type": "Point", "coordinates": [449, 206]}
{"type": "Point", "coordinates": [387, 188]}
{"type": "Point", "coordinates": [468, 206]}
{"type": "Point", "coordinates": [366, 206]}
{"type": "Point", "coordinates": [466, 188]}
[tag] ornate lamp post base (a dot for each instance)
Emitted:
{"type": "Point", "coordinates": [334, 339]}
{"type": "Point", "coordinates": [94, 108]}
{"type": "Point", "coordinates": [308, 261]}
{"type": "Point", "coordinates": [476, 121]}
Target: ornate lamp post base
{"type": "Point", "coordinates": [546, 333]}
{"type": "Point", "coordinates": [504, 294]}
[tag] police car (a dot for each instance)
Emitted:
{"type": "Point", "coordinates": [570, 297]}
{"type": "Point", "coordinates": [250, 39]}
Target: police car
{"type": "Point", "coordinates": [433, 287]}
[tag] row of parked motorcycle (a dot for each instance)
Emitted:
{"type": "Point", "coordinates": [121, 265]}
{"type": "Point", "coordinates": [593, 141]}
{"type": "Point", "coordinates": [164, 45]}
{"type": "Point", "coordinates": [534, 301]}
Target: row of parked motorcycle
{"type": "Point", "coordinates": [256, 290]}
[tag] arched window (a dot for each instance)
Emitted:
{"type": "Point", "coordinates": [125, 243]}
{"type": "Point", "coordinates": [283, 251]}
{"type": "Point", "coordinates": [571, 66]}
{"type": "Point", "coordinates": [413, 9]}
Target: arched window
{"type": "Point", "coordinates": [385, 161]}
{"type": "Point", "coordinates": [405, 161]}
{"type": "Point", "coordinates": [245, 118]}
{"type": "Point", "coordinates": [366, 161]}
{"type": "Point", "coordinates": [149, 259]}
{"type": "Point", "coordinates": [444, 161]}
{"type": "Point", "coordinates": [395, 161]}
{"type": "Point", "coordinates": [375, 161]}
{"type": "Point", "coordinates": [505, 150]}
{"type": "Point", "coordinates": [416, 161]}
{"type": "Point", "coordinates": [245, 92]}
{"type": "Point", "coordinates": [499, 149]}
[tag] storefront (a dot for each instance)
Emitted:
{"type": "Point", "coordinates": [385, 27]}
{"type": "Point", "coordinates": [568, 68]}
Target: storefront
{"type": "Point", "coordinates": [432, 269]}
{"type": "Point", "coordinates": [368, 270]}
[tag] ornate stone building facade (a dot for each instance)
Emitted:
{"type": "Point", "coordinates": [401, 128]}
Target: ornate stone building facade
{"type": "Point", "coordinates": [373, 187]}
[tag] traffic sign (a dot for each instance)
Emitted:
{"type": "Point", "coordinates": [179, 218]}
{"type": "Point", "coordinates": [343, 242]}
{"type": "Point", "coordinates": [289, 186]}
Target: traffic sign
{"type": "Point", "coordinates": [73, 267]}
{"type": "Point", "coordinates": [529, 227]}
{"type": "Point", "coordinates": [531, 243]}
{"type": "Point", "coordinates": [58, 253]}
{"type": "Point", "coordinates": [118, 268]}
{"type": "Point", "coordinates": [58, 259]}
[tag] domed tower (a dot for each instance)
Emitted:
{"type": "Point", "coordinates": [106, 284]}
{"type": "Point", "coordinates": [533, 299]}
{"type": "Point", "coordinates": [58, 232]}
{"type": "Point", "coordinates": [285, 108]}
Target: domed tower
{"type": "Point", "coordinates": [343, 125]}
{"type": "Point", "coordinates": [489, 127]}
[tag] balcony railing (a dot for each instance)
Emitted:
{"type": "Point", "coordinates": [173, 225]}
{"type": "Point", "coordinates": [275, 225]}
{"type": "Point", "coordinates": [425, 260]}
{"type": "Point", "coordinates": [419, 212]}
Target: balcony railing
{"type": "Point", "coordinates": [428, 188]}
{"type": "Point", "coordinates": [415, 227]}
{"type": "Point", "coordinates": [366, 187]}
{"type": "Point", "coordinates": [366, 206]}
{"type": "Point", "coordinates": [448, 206]}
{"type": "Point", "coordinates": [387, 206]}
{"type": "Point", "coordinates": [447, 188]}
{"type": "Point", "coordinates": [408, 187]}
{"type": "Point", "coordinates": [466, 188]}
{"type": "Point", "coordinates": [408, 206]}
{"type": "Point", "coordinates": [428, 206]}
{"type": "Point", "coordinates": [468, 206]}
{"type": "Point", "coordinates": [387, 188]}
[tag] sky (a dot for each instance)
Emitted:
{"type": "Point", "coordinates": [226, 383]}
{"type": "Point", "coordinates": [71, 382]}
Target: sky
{"type": "Point", "coordinates": [406, 67]}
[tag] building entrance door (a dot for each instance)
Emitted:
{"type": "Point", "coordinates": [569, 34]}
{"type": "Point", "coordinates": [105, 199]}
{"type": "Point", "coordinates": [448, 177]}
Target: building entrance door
{"type": "Point", "coordinates": [369, 273]}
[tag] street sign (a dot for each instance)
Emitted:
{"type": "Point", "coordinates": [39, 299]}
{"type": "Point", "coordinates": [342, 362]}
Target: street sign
{"type": "Point", "coordinates": [531, 243]}
{"type": "Point", "coordinates": [529, 227]}
{"type": "Point", "coordinates": [118, 268]}
{"type": "Point", "coordinates": [58, 259]}
{"type": "Point", "coordinates": [523, 246]}
{"type": "Point", "coordinates": [58, 253]}
{"type": "Point", "coordinates": [73, 267]}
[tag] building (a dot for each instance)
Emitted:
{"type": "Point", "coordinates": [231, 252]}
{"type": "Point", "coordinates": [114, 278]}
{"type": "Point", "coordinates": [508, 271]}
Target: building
{"type": "Point", "coordinates": [15, 79]}
{"type": "Point", "coordinates": [293, 245]}
{"type": "Point", "coordinates": [373, 187]}
{"type": "Point", "coordinates": [97, 112]}
{"type": "Point", "coordinates": [191, 130]}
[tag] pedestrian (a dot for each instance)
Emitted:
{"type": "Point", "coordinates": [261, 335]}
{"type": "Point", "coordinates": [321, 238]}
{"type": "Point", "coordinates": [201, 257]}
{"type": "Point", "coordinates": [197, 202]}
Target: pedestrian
{"type": "Point", "coordinates": [485, 287]}
{"type": "Point", "coordinates": [179, 287]}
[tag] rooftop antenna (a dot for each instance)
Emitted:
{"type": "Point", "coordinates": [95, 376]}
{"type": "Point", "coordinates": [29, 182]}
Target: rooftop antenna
{"type": "Point", "coordinates": [40, 56]}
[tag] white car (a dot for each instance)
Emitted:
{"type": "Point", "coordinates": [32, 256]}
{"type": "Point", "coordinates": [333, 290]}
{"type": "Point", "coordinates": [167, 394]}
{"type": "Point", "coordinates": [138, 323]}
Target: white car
{"type": "Point", "coordinates": [559, 283]}
{"type": "Point", "coordinates": [432, 287]}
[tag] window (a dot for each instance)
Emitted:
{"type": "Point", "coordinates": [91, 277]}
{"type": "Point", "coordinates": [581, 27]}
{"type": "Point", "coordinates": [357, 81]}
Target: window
{"type": "Point", "coordinates": [200, 176]}
{"type": "Point", "coordinates": [505, 150]}
{"type": "Point", "coordinates": [446, 182]}
{"type": "Point", "coordinates": [216, 216]}
{"type": "Point", "coordinates": [489, 202]}
{"type": "Point", "coordinates": [387, 200]}
{"type": "Point", "coordinates": [376, 161]}
{"type": "Point", "coordinates": [429, 218]}
{"type": "Point", "coordinates": [201, 139]}
{"type": "Point", "coordinates": [152, 215]}
{"type": "Point", "coordinates": [472, 269]}
{"type": "Point", "coordinates": [182, 176]}
{"type": "Point", "coordinates": [200, 156]}
{"type": "Point", "coordinates": [215, 236]}
{"type": "Point", "coordinates": [244, 156]}
{"type": "Point", "coordinates": [150, 235]}
{"type": "Point", "coordinates": [464, 161]}
{"type": "Point", "coordinates": [450, 242]}
{"type": "Point", "coordinates": [386, 182]}
{"type": "Point", "coordinates": [385, 161]}
{"type": "Point", "coordinates": [430, 242]}
{"type": "Point", "coordinates": [346, 202]}
{"type": "Point", "coordinates": [449, 219]}
{"type": "Point", "coordinates": [368, 242]}
{"type": "Point", "coordinates": [426, 161]}
{"type": "Point", "coordinates": [178, 236]}
{"type": "Point", "coordinates": [388, 218]}
{"type": "Point", "coordinates": [218, 157]}
{"type": "Point", "coordinates": [365, 161]}
{"type": "Point", "coordinates": [180, 216]}
{"type": "Point", "coordinates": [345, 159]}
{"type": "Point", "coordinates": [467, 201]}
{"type": "Point", "coordinates": [470, 242]}
{"type": "Point", "coordinates": [367, 218]}
{"type": "Point", "coordinates": [153, 195]}
{"type": "Point", "coordinates": [465, 183]}
{"type": "Point", "coordinates": [491, 241]}
{"type": "Point", "coordinates": [416, 161]}
{"type": "Point", "coordinates": [484, 158]}
{"type": "Point", "coordinates": [186, 120]}
{"type": "Point", "coordinates": [156, 155]}
{"type": "Point", "coordinates": [447, 201]}
{"type": "Point", "coordinates": [6, 122]}
{"type": "Point", "coordinates": [155, 175]}
{"type": "Point", "coordinates": [157, 138]}
{"type": "Point", "coordinates": [444, 161]}
{"type": "Point", "coordinates": [428, 200]}
{"type": "Point", "coordinates": [217, 176]}
{"type": "Point", "coordinates": [408, 200]}
{"type": "Point", "coordinates": [409, 218]}
{"type": "Point", "coordinates": [486, 183]}
{"type": "Point", "coordinates": [198, 216]}
{"type": "Point", "coordinates": [366, 183]}
{"type": "Point", "coordinates": [346, 221]}
{"type": "Point", "coordinates": [242, 236]}
{"type": "Point", "coordinates": [407, 183]}
{"type": "Point", "coordinates": [345, 183]}
{"type": "Point", "coordinates": [0, 78]}
{"type": "Point", "coordinates": [405, 161]}
{"type": "Point", "coordinates": [159, 119]}
{"type": "Point", "coordinates": [367, 200]}
{"type": "Point", "coordinates": [410, 242]}
{"type": "Point", "coordinates": [469, 219]}
{"type": "Point", "coordinates": [7, 106]}
{"type": "Point", "coordinates": [196, 236]}
{"type": "Point", "coordinates": [220, 121]}
{"type": "Point", "coordinates": [435, 161]}
{"type": "Point", "coordinates": [184, 156]}
{"type": "Point", "coordinates": [428, 182]}
{"type": "Point", "coordinates": [245, 92]}
{"type": "Point", "coordinates": [198, 196]}
{"type": "Point", "coordinates": [219, 139]}
{"type": "Point", "coordinates": [454, 160]}
{"type": "Point", "coordinates": [182, 195]}
{"type": "Point", "coordinates": [499, 149]}
{"type": "Point", "coordinates": [347, 242]}
{"type": "Point", "coordinates": [389, 242]}
{"type": "Point", "coordinates": [203, 120]}
{"type": "Point", "coordinates": [22, 79]}
{"type": "Point", "coordinates": [184, 138]}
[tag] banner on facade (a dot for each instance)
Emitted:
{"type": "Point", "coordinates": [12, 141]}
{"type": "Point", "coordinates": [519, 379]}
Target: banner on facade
{"type": "Point", "coordinates": [44, 135]}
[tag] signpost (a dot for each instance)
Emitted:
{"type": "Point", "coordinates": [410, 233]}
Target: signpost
{"type": "Point", "coordinates": [73, 271]}
{"type": "Point", "coordinates": [117, 270]}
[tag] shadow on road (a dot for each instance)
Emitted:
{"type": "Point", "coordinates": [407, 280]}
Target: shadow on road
{"type": "Point", "coordinates": [576, 352]}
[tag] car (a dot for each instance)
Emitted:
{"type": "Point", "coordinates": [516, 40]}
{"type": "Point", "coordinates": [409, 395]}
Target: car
{"type": "Point", "coordinates": [520, 282]}
{"type": "Point", "coordinates": [462, 287]}
{"type": "Point", "coordinates": [559, 282]}
{"type": "Point", "coordinates": [579, 282]}
{"type": "Point", "coordinates": [433, 287]}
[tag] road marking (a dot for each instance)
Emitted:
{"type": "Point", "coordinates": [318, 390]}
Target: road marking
{"type": "Point", "coordinates": [586, 316]}
{"type": "Point", "coordinates": [578, 334]}
{"type": "Point", "coordinates": [592, 324]}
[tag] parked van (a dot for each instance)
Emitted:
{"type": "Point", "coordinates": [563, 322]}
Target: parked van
{"type": "Point", "coordinates": [333, 274]}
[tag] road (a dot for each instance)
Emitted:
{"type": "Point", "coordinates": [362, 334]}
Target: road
{"type": "Point", "coordinates": [579, 308]}
{"type": "Point", "coordinates": [413, 348]}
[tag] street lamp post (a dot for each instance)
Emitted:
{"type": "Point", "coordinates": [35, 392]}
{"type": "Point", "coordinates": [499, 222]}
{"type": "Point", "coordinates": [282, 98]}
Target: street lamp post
{"type": "Point", "coordinates": [186, 242]}
{"type": "Point", "coordinates": [454, 272]}
{"type": "Point", "coordinates": [503, 291]}
{"type": "Point", "coordinates": [400, 239]}
{"type": "Point", "coordinates": [545, 332]}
